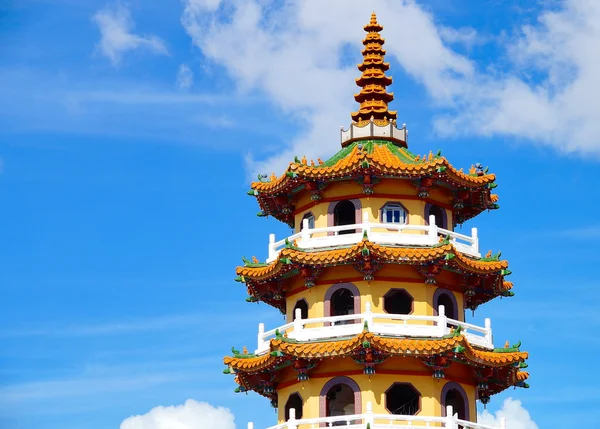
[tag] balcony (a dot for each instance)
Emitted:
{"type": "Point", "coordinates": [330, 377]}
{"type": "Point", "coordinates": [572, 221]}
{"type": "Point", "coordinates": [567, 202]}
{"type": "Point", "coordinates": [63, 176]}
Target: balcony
{"type": "Point", "coordinates": [382, 421]}
{"type": "Point", "coordinates": [381, 233]}
{"type": "Point", "coordinates": [392, 325]}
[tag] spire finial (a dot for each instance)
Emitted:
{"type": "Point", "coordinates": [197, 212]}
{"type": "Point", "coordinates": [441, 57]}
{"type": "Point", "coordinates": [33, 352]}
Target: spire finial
{"type": "Point", "coordinates": [373, 97]}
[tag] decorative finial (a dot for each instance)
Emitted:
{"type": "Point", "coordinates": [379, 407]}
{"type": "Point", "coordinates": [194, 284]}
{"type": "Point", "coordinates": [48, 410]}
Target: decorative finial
{"type": "Point", "coordinates": [373, 97]}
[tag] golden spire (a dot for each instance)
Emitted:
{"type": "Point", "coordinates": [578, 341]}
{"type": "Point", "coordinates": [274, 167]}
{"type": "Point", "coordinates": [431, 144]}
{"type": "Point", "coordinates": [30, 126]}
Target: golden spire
{"type": "Point", "coordinates": [373, 97]}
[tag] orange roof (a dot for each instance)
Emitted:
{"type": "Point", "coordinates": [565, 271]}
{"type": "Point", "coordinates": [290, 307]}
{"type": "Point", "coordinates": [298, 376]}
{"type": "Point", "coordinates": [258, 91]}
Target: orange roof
{"type": "Point", "coordinates": [285, 350]}
{"type": "Point", "coordinates": [403, 255]}
{"type": "Point", "coordinates": [384, 158]}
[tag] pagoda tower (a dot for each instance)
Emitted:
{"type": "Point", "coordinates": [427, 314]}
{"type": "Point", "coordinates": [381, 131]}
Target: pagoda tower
{"type": "Point", "coordinates": [375, 282]}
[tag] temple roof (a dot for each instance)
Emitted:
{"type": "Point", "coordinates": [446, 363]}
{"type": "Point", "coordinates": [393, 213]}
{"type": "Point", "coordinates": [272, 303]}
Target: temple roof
{"type": "Point", "coordinates": [373, 97]}
{"type": "Point", "coordinates": [285, 348]}
{"type": "Point", "coordinates": [500, 368]}
{"type": "Point", "coordinates": [381, 156]}
{"type": "Point", "coordinates": [379, 159]}
{"type": "Point", "coordinates": [405, 255]}
{"type": "Point", "coordinates": [264, 281]}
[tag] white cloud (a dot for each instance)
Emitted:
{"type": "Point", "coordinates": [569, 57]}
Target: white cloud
{"type": "Point", "coordinates": [466, 35]}
{"type": "Point", "coordinates": [185, 77]}
{"type": "Point", "coordinates": [116, 27]}
{"type": "Point", "coordinates": [512, 410]}
{"type": "Point", "coordinates": [561, 106]}
{"type": "Point", "coordinates": [190, 415]}
{"type": "Point", "coordinates": [292, 53]}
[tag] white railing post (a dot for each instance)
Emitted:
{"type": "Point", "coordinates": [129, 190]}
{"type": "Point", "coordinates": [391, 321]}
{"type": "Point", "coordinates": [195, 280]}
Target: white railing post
{"type": "Point", "coordinates": [369, 316]}
{"type": "Point", "coordinates": [304, 233]}
{"type": "Point", "coordinates": [272, 252]}
{"type": "Point", "coordinates": [502, 422]}
{"type": "Point", "coordinates": [292, 419]}
{"type": "Point", "coordinates": [450, 420]}
{"type": "Point", "coordinates": [250, 425]}
{"type": "Point", "coordinates": [488, 330]}
{"type": "Point", "coordinates": [442, 320]}
{"type": "Point", "coordinates": [433, 230]}
{"type": "Point", "coordinates": [369, 418]}
{"type": "Point", "coordinates": [261, 334]}
{"type": "Point", "coordinates": [366, 223]}
{"type": "Point", "coordinates": [298, 323]}
{"type": "Point", "coordinates": [475, 240]}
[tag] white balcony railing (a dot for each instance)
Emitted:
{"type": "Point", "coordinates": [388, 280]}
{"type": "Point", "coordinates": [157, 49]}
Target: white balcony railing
{"type": "Point", "coordinates": [382, 421]}
{"type": "Point", "coordinates": [380, 233]}
{"type": "Point", "coordinates": [394, 325]}
{"type": "Point", "coordinates": [386, 132]}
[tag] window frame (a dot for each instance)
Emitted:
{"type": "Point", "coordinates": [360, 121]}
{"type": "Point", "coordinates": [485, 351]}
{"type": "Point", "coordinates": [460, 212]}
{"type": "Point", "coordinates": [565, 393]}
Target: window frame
{"type": "Point", "coordinates": [393, 205]}
{"type": "Point", "coordinates": [310, 216]}
{"type": "Point", "coordinates": [395, 290]}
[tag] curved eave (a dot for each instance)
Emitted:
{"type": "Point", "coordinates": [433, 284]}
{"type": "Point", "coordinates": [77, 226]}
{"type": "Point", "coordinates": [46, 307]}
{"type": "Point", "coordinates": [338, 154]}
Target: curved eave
{"type": "Point", "coordinates": [380, 161]}
{"type": "Point", "coordinates": [282, 350]}
{"type": "Point", "coordinates": [403, 255]}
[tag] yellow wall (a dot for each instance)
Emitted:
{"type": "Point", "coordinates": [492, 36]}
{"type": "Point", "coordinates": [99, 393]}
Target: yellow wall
{"type": "Point", "coordinates": [400, 191]}
{"type": "Point", "coordinates": [374, 387]}
{"type": "Point", "coordinates": [372, 291]}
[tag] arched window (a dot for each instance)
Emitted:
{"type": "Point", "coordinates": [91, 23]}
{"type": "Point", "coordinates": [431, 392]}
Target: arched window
{"type": "Point", "coordinates": [447, 299]}
{"type": "Point", "coordinates": [342, 304]}
{"type": "Point", "coordinates": [340, 395]}
{"type": "Point", "coordinates": [439, 213]}
{"type": "Point", "coordinates": [453, 394]}
{"type": "Point", "coordinates": [340, 402]}
{"type": "Point", "coordinates": [344, 214]}
{"type": "Point", "coordinates": [393, 213]}
{"type": "Point", "coordinates": [311, 220]}
{"type": "Point", "coordinates": [302, 305]}
{"type": "Point", "coordinates": [295, 402]}
{"type": "Point", "coordinates": [342, 299]}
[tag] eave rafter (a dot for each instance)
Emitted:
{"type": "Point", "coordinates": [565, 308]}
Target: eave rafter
{"type": "Point", "coordinates": [483, 279]}
{"type": "Point", "coordinates": [498, 369]}
{"type": "Point", "coordinates": [372, 161]}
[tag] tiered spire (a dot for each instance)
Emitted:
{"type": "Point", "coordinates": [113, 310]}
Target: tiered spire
{"type": "Point", "coordinates": [373, 97]}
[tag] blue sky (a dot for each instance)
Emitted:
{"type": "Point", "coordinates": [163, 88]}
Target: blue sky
{"type": "Point", "coordinates": [129, 133]}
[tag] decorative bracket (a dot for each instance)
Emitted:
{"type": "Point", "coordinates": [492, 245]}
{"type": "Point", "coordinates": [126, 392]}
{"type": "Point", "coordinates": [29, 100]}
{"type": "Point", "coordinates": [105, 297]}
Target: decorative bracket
{"type": "Point", "coordinates": [367, 265]}
{"type": "Point", "coordinates": [430, 272]}
{"type": "Point", "coordinates": [439, 364]}
{"type": "Point", "coordinates": [315, 191]}
{"type": "Point", "coordinates": [425, 185]}
{"type": "Point", "coordinates": [310, 275]}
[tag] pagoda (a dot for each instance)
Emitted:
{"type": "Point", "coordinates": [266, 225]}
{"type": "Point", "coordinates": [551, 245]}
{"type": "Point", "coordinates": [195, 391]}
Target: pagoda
{"type": "Point", "coordinates": [375, 282]}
